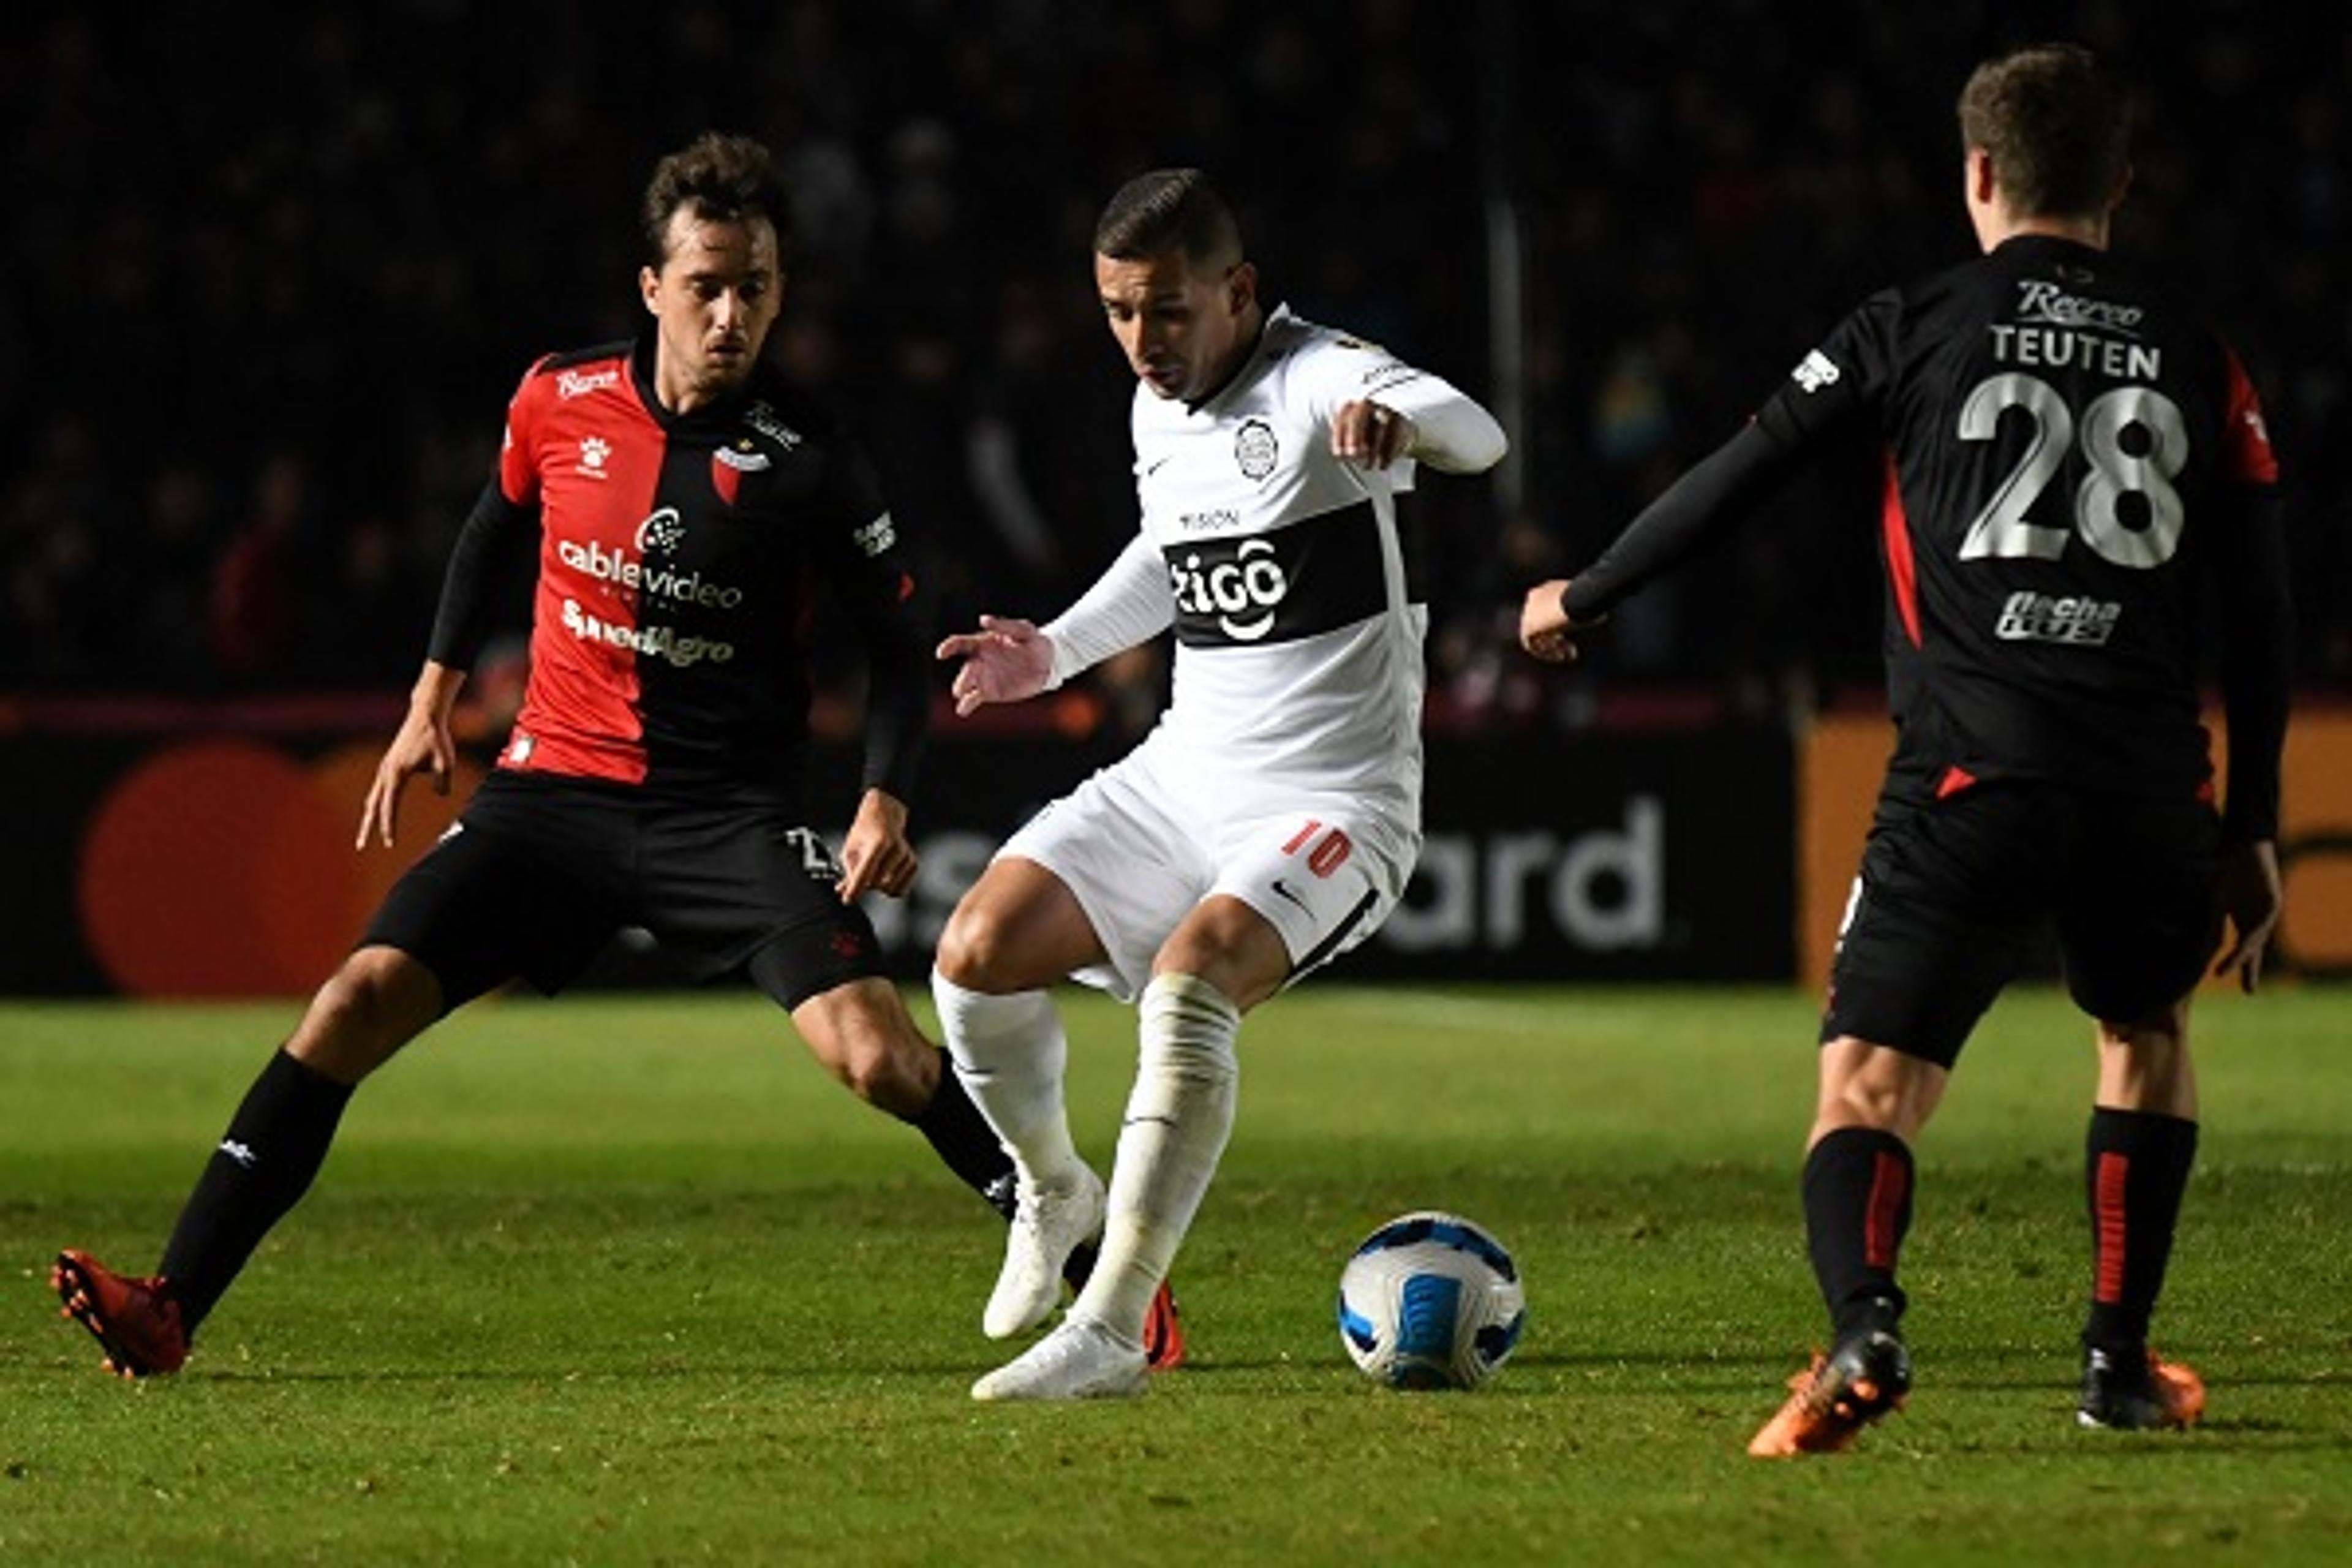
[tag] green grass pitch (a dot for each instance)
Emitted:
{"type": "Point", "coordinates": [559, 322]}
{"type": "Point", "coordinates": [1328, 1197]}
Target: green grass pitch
{"type": "Point", "coordinates": [625, 1279]}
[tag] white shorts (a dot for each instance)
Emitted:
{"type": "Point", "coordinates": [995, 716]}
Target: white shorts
{"type": "Point", "coordinates": [1324, 873]}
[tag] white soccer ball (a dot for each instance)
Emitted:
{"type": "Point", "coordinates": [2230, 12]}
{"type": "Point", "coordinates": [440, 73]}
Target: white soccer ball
{"type": "Point", "coordinates": [1431, 1300]}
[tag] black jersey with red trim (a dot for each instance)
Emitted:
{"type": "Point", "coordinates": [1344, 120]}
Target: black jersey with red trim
{"type": "Point", "coordinates": [2067, 457]}
{"type": "Point", "coordinates": [681, 559]}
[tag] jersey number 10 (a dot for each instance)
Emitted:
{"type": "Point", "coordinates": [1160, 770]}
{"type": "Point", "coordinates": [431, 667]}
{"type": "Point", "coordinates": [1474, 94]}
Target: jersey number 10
{"type": "Point", "coordinates": [2002, 530]}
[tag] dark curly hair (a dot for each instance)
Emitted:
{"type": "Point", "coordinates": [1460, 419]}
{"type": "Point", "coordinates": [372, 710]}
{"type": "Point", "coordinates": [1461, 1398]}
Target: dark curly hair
{"type": "Point", "coordinates": [718, 176]}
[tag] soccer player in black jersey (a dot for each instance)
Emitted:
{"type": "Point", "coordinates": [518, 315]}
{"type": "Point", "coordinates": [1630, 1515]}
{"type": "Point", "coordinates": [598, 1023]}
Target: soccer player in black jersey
{"type": "Point", "coordinates": [2071, 463]}
{"type": "Point", "coordinates": [688, 508]}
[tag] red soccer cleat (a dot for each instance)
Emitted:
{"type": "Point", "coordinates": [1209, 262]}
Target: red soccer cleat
{"type": "Point", "coordinates": [1164, 1332]}
{"type": "Point", "coordinates": [134, 1318]}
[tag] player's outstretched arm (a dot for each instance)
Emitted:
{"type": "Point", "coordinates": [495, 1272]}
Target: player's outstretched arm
{"type": "Point", "coordinates": [876, 854]}
{"type": "Point", "coordinates": [1006, 660]}
{"type": "Point", "coordinates": [423, 744]}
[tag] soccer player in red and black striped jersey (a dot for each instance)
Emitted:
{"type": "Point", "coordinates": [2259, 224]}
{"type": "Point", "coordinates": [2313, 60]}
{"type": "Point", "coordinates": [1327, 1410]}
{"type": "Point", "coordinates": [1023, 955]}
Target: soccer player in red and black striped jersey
{"type": "Point", "coordinates": [2072, 463]}
{"type": "Point", "coordinates": [689, 511]}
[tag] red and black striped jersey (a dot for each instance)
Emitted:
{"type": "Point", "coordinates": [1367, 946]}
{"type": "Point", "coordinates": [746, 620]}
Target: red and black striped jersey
{"type": "Point", "coordinates": [681, 562]}
{"type": "Point", "coordinates": [2069, 461]}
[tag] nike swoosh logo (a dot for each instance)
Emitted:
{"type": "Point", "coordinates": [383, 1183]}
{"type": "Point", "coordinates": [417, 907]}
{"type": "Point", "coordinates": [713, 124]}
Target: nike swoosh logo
{"type": "Point", "coordinates": [1282, 890]}
{"type": "Point", "coordinates": [1154, 466]}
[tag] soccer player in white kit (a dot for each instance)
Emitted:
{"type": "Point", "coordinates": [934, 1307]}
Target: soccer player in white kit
{"type": "Point", "coordinates": [1269, 822]}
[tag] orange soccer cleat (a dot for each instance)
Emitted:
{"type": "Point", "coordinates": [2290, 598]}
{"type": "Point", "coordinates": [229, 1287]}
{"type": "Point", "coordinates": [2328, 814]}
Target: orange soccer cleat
{"type": "Point", "coordinates": [1833, 1400]}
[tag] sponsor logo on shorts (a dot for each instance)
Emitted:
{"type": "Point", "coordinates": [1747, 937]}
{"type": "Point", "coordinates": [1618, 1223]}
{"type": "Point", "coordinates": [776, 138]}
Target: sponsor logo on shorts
{"type": "Point", "coordinates": [1815, 371]}
{"type": "Point", "coordinates": [877, 536]}
{"type": "Point", "coordinates": [2082, 622]}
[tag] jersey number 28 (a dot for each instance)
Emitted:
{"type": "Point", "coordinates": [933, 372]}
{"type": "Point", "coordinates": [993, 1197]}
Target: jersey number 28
{"type": "Point", "coordinates": [2001, 529]}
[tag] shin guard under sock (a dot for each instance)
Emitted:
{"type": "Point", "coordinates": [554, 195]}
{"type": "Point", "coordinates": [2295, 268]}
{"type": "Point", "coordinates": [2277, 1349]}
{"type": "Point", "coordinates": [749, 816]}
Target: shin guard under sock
{"type": "Point", "coordinates": [275, 1145]}
{"type": "Point", "coordinates": [1857, 1190]}
{"type": "Point", "coordinates": [2136, 1168]}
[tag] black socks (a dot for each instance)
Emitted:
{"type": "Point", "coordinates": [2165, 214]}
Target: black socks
{"type": "Point", "coordinates": [2135, 1169]}
{"type": "Point", "coordinates": [1857, 1190]}
{"type": "Point", "coordinates": [965, 1141]}
{"type": "Point", "coordinates": [274, 1146]}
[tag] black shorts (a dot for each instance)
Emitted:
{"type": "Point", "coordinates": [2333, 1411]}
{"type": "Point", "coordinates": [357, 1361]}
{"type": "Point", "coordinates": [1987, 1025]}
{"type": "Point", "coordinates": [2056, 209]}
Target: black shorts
{"type": "Point", "coordinates": [1955, 894]}
{"type": "Point", "coordinates": [540, 872]}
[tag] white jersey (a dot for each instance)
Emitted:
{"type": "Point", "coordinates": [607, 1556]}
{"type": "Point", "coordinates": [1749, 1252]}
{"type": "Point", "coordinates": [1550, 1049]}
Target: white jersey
{"type": "Point", "coordinates": [1298, 665]}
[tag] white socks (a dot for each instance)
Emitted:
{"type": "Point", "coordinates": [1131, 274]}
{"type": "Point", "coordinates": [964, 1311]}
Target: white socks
{"type": "Point", "coordinates": [1178, 1118]}
{"type": "Point", "coordinates": [1009, 1053]}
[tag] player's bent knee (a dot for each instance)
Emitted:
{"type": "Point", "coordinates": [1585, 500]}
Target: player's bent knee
{"type": "Point", "coordinates": [979, 951]}
{"type": "Point", "coordinates": [1878, 1087]}
{"type": "Point", "coordinates": [861, 1034]}
{"type": "Point", "coordinates": [376, 1002]}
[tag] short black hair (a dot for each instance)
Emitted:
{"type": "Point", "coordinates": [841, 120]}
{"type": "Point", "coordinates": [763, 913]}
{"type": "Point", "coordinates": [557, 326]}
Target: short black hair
{"type": "Point", "coordinates": [2057, 127]}
{"type": "Point", "coordinates": [721, 177]}
{"type": "Point", "coordinates": [1169, 210]}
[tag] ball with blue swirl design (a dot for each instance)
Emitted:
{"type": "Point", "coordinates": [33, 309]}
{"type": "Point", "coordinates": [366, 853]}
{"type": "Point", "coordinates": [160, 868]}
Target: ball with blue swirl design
{"type": "Point", "coordinates": [1431, 1300]}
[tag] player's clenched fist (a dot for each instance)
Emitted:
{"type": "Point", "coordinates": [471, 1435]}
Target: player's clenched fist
{"type": "Point", "coordinates": [1545, 629]}
{"type": "Point", "coordinates": [1370, 434]}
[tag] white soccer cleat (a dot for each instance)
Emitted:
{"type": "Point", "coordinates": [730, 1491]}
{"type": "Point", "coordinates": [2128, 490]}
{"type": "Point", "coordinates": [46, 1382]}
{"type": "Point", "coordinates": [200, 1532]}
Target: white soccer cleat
{"type": "Point", "coordinates": [1080, 1359]}
{"type": "Point", "coordinates": [1048, 1224]}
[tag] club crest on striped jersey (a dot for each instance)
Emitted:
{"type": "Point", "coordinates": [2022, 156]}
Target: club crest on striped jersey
{"type": "Point", "coordinates": [730, 464]}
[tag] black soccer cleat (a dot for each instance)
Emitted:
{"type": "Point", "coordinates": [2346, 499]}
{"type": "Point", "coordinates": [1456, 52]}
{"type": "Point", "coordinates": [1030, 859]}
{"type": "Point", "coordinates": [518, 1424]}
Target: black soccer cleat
{"type": "Point", "coordinates": [2137, 1392]}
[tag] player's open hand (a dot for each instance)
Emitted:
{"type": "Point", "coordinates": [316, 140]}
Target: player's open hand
{"type": "Point", "coordinates": [1005, 661]}
{"type": "Point", "coordinates": [1545, 629]}
{"type": "Point", "coordinates": [876, 854]}
{"type": "Point", "coordinates": [2252, 896]}
{"type": "Point", "coordinates": [423, 745]}
{"type": "Point", "coordinates": [1370, 434]}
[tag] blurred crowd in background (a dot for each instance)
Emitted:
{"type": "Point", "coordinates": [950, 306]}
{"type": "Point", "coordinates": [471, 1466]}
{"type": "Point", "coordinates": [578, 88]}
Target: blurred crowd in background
{"type": "Point", "coordinates": [266, 288]}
